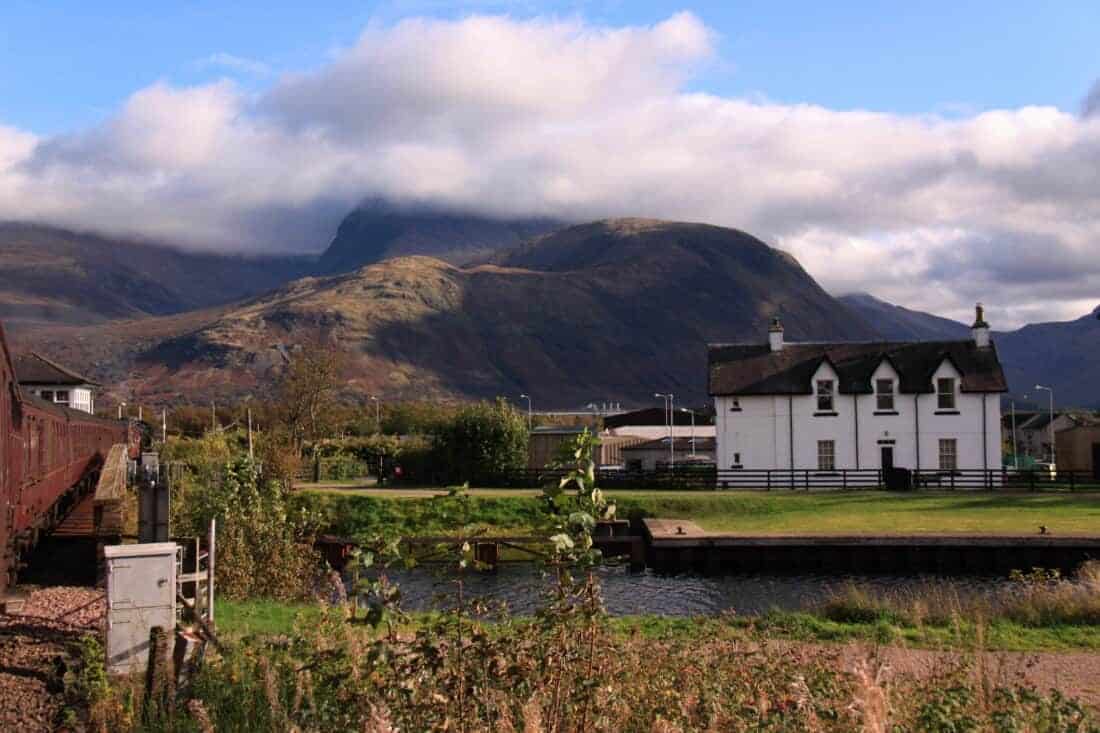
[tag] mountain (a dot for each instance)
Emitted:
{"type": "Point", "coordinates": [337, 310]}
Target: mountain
{"type": "Point", "coordinates": [1063, 355]}
{"type": "Point", "coordinates": [378, 230]}
{"type": "Point", "coordinates": [52, 275]}
{"type": "Point", "coordinates": [613, 310]}
{"type": "Point", "coordinates": [896, 323]}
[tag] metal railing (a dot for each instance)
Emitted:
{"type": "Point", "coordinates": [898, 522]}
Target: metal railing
{"type": "Point", "coordinates": [699, 478]}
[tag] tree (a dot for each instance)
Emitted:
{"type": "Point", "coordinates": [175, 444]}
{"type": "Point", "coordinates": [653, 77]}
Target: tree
{"type": "Point", "coordinates": [307, 393]}
{"type": "Point", "coordinates": [481, 440]}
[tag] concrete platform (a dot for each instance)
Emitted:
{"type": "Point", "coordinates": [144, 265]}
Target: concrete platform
{"type": "Point", "coordinates": [680, 546]}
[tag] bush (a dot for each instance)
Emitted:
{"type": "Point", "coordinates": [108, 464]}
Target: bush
{"type": "Point", "coordinates": [481, 440]}
{"type": "Point", "coordinates": [264, 548]}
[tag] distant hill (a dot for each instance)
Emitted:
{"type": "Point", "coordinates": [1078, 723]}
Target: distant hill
{"type": "Point", "coordinates": [377, 230]}
{"type": "Point", "coordinates": [894, 322]}
{"type": "Point", "coordinates": [1063, 355]}
{"type": "Point", "coordinates": [51, 275]}
{"type": "Point", "coordinates": [613, 310]}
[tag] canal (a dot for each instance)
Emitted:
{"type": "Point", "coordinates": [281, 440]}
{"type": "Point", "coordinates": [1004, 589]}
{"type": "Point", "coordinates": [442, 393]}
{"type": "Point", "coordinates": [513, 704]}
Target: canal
{"type": "Point", "coordinates": [523, 587]}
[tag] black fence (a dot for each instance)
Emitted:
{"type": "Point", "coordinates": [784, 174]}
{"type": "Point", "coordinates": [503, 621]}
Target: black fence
{"type": "Point", "coordinates": [699, 478]}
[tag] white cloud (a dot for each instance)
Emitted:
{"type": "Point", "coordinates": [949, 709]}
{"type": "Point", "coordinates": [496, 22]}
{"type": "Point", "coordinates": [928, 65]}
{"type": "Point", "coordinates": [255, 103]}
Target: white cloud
{"type": "Point", "coordinates": [566, 119]}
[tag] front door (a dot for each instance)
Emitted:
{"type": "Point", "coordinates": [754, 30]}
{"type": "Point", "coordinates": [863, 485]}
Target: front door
{"type": "Point", "coordinates": [887, 457]}
{"type": "Point", "coordinates": [1096, 460]}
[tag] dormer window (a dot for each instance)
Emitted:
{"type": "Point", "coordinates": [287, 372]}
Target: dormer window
{"type": "Point", "coordinates": [884, 394]}
{"type": "Point", "coordinates": [825, 391]}
{"type": "Point", "coordinates": [945, 393]}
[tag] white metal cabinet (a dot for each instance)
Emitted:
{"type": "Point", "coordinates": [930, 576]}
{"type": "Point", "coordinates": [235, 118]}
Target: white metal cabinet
{"type": "Point", "coordinates": [141, 595]}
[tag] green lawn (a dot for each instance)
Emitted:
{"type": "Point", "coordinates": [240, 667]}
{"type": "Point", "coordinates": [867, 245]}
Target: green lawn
{"type": "Point", "coordinates": [408, 512]}
{"type": "Point", "coordinates": [236, 619]}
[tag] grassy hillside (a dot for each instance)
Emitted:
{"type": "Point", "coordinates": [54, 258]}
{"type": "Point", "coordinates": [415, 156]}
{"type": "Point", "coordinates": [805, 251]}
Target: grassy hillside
{"type": "Point", "coordinates": [610, 310]}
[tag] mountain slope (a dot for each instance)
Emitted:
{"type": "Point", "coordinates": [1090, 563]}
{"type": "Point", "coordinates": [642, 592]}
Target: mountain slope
{"type": "Point", "coordinates": [376, 231]}
{"type": "Point", "coordinates": [610, 310]}
{"type": "Point", "coordinates": [50, 275]}
{"type": "Point", "coordinates": [896, 323]}
{"type": "Point", "coordinates": [1064, 355]}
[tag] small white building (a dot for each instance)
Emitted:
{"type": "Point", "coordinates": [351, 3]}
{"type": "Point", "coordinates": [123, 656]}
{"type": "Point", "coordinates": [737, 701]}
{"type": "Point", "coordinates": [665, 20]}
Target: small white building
{"type": "Point", "coordinates": [52, 382]}
{"type": "Point", "coordinates": [925, 406]}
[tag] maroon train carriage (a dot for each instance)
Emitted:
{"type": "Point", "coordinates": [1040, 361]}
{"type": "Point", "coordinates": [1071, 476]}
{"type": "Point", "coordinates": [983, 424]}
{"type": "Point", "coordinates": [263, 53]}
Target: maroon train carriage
{"type": "Point", "coordinates": [50, 457]}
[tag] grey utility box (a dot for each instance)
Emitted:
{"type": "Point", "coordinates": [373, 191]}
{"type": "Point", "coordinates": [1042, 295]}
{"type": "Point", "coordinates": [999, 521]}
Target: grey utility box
{"type": "Point", "coordinates": [141, 595]}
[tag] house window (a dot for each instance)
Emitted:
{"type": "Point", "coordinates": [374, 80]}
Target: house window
{"type": "Point", "coordinates": [61, 397]}
{"type": "Point", "coordinates": [945, 393]}
{"type": "Point", "coordinates": [825, 395]}
{"type": "Point", "coordinates": [826, 455]}
{"type": "Point", "coordinates": [884, 389]}
{"type": "Point", "coordinates": [949, 457]}
{"type": "Point", "coordinates": [735, 405]}
{"type": "Point", "coordinates": [46, 394]}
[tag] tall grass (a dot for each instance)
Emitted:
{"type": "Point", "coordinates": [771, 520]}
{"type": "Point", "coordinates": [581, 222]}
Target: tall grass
{"type": "Point", "coordinates": [1036, 599]}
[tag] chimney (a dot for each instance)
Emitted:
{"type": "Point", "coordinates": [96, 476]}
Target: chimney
{"type": "Point", "coordinates": [980, 329]}
{"type": "Point", "coordinates": [775, 335]}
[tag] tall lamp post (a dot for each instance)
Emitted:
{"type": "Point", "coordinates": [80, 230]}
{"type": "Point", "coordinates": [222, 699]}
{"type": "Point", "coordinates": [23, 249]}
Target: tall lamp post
{"type": "Point", "coordinates": [671, 436]}
{"type": "Point", "coordinates": [692, 413]}
{"type": "Point", "coordinates": [1050, 391]}
{"type": "Point", "coordinates": [377, 414]}
{"type": "Point", "coordinates": [121, 407]}
{"type": "Point", "coordinates": [528, 398]}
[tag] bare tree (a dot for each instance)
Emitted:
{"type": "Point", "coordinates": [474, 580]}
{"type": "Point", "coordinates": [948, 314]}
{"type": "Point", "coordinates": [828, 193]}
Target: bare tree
{"type": "Point", "coordinates": [307, 392]}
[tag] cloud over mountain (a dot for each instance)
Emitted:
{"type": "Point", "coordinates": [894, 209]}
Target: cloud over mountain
{"type": "Point", "coordinates": [569, 120]}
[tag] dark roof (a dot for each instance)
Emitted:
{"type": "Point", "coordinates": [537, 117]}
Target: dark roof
{"type": "Point", "coordinates": [655, 416]}
{"type": "Point", "coordinates": [753, 369]}
{"type": "Point", "coordinates": [683, 445]}
{"type": "Point", "coordinates": [36, 369]}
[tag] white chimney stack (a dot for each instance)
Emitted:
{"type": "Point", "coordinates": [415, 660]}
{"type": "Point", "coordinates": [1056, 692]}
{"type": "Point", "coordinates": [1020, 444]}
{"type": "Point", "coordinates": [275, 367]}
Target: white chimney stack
{"type": "Point", "coordinates": [980, 329]}
{"type": "Point", "coordinates": [775, 335]}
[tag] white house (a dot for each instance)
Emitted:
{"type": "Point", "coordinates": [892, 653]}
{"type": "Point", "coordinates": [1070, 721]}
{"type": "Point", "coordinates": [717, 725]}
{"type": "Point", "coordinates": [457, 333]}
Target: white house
{"type": "Point", "coordinates": [52, 382]}
{"type": "Point", "coordinates": [926, 406]}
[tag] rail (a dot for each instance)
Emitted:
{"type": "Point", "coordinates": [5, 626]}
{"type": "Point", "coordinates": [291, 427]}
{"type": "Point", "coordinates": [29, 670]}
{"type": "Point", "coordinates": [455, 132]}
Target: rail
{"type": "Point", "coordinates": [696, 478]}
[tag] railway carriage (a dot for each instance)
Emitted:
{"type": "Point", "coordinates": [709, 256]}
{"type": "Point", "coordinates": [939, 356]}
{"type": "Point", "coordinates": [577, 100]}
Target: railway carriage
{"type": "Point", "coordinates": [50, 457]}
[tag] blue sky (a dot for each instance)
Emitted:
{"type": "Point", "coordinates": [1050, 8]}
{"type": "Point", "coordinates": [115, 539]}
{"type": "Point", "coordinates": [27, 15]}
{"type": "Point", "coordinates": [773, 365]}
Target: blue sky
{"type": "Point", "coordinates": [932, 153]}
{"type": "Point", "coordinates": [66, 64]}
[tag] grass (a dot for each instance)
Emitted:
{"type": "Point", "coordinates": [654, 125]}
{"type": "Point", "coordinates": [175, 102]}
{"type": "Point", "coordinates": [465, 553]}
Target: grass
{"type": "Point", "coordinates": [237, 619]}
{"type": "Point", "coordinates": [746, 512]}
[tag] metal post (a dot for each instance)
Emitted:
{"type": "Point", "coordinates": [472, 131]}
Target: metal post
{"type": "Point", "coordinates": [164, 426]}
{"type": "Point", "coordinates": [251, 452]}
{"type": "Point", "coordinates": [210, 575]}
{"type": "Point", "coordinates": [1015, 453]}
{"type": "Point", "coordinates": [671, 432]}
{"type": "Point", "coordinates": [529, 416]}
{"type": "Point", "coordinates": [1050, 391]}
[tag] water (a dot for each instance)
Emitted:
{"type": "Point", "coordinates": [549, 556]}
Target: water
{"type": "Point", "coordinates": [522, 586]}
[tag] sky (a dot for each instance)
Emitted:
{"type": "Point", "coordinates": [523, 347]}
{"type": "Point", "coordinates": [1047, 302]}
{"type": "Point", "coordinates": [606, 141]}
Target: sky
{"type": "Point", "coordinates": [933, 154]}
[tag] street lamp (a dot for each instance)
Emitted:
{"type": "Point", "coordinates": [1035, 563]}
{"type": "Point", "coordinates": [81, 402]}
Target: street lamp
{"type": "Point", "coordinates": [692, 412]}
{"type": "Point", "coordinates": [377, 414]}
{"type": "Point", "coordinates": [671, 437]}
{"type": "Point", "coordinates": [1050, 390]}
{"type": "Point", "coordinates": [121, 407]}
{"type": "Point", "coordinates": [528, 398]}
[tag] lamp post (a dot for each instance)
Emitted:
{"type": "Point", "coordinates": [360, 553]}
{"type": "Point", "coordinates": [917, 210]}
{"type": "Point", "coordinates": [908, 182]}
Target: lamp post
{"type": "Point", "coordinates": [528, 398]}
{"type": "Point", "coordinates": [692, 413]}
{"type": "Point", "coordinates": [121, 407]}
{"type": "Point", "coordinates": [1050, 391]}
{"type": "Point", "coordinates": [377, 413]}
{"type": "Point", "coordinates": [669, 418]}
{"type": "Point", "coordinates": [1015, 454]}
